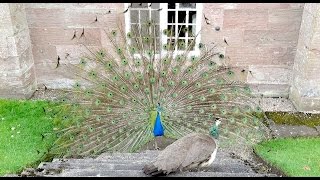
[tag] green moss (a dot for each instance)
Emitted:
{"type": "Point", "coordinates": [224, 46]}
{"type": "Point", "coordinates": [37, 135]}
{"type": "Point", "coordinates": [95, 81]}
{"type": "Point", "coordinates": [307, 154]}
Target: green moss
{"type": "Point", "coordinates": [298, 118]}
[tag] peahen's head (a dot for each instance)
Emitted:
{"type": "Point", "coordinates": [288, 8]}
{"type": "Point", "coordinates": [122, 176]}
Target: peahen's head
{"type": "Point", "coordinates": [214, 129]}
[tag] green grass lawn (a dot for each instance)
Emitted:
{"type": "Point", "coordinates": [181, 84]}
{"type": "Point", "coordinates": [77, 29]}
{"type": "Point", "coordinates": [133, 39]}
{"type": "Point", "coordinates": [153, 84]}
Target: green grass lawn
{"type": "Point", "coordinates": [293, 156]}
{"type": "Point", "coordinates": [21, 126]}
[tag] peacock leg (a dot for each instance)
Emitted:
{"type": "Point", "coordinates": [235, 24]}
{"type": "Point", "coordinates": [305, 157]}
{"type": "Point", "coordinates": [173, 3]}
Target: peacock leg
{"type": "Point", "coordinates": [156, 144]}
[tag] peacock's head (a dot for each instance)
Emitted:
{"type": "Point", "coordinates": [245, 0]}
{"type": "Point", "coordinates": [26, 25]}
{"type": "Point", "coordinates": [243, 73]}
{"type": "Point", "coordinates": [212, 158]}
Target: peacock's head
{"type": "Point", "coordinates": [214, 130]}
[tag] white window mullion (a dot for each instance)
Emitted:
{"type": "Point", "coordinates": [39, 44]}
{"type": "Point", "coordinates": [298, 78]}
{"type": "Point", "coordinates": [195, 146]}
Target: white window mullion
{"type": "Point", "coordinates": [163, 25]}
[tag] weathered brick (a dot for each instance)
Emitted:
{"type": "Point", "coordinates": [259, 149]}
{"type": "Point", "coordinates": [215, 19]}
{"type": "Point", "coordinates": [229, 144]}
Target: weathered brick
{"type": "Point", "coordinates": [221, 5]}
{"type": "Point", "coordinates": [270, 38]}
{"type": "Point", "coordinates": [44, 54]}
{"type": "Point", "coordinates": [234, 37]}
{"type": "Point", "coordinates": [73, 53]}
{"type": "Point", "coordinates": [78, 18]}
{"type": "Point", "coordinates": [242, 56]}
{"type": "Point", "coordinates": [45, 17]}
{"type": "Point", "coordinates": [252, 19]}
{"type": "Point", "coordinates": [214, 15]}
{"type": "Point", "coordinates": [269, 74]}
{"type": "Point", "coordinates": [60, 36]}
{"type": "Point", "coordinates": [284, 19]}
{"type": "Point", "coordinates": [263, 5]}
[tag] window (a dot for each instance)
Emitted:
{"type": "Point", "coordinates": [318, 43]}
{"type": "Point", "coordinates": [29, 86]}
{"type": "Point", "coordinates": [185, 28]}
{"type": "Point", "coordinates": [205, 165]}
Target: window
{"type": "Point", "coordinates": [184, 19]}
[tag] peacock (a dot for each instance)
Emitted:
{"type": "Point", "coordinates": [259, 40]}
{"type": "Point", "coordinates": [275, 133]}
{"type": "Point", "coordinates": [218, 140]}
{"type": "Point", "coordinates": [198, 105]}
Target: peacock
{"type": "Point", "coordinates": [140, 88]}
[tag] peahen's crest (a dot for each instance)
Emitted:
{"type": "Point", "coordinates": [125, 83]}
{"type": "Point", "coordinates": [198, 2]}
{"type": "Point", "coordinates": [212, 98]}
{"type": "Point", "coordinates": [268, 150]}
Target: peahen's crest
{"type": "Point", "coordinates": [113, 104]}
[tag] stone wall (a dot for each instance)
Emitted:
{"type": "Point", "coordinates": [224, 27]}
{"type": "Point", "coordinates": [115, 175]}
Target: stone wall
{"type": "Point", "coordinates": [262, 39]}
{"type": "Point", "coordinates": [17, 76]}
{"type": "Point", "coordinates": [52, 30]}
{"type": "Point", "coordinates": [305, 90]}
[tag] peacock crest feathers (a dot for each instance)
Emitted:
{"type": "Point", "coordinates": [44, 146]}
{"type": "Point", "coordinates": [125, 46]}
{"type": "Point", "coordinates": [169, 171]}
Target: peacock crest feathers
{"type": "Point", "coordinates": [112, 105]}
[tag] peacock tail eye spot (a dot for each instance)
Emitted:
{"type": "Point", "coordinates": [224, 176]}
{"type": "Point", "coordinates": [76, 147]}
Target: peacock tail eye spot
{"type": "Point", "coordinates": [65, 117]}
{"type": "Point", "coordinates": [201, 111]}
{"type": "Point", "coordinates": [104, 131]}
{"type": "Point", "coordinates": [152, 80]}
{"type": "Point", "coordinates": [162, 89]}
{"type": "Point", "coordinates": [247, 89]}
{"type": "Point", "coordinates": [110, 95]}
{"type": "Point", "coordinates": [190, 96]}
{"type": "Point", "coordinates": [127, 75]}
{"type": "Point", "coordinates": [230, 73]}
{"type": "Point", "coordinates": [136, 86]}
{"type": "Point", "coordinates": [174, 95]}
{"type": "Point", "coordinates": [91, 129]}
{"type": "Point", "coordinates": [175, 70]}
{"type": "Point", "coordinates": [223, 97]}
{"type": "Point", "coordinates": [115, 78]}
{"type": "Point", "coordinates": [221, 56]}
{"type": "Point", "coordinates": [189, 107]}
{"type": "Point", "coordinates": [165, 31]}
{"type": "Point", "coordinates": [124, 62]}
{"type": "Point", "coordinates": [77, 85]}
{"type": "Point", "coordinates": [138, 62]}
{"type": "Point", "coordinates": [129, 35]}
{"type": "Point", "coordinates": [123, 88]}
{"type": "Point", "coordinates": [193, 59]}
{"type": "Point", "coordinates": [121, 102]}
{"type": "Point", "coordinates": [202, 98]}
{"type": "Point", "coordinates": [171, 83]}
{"type": "Point", "coordinates": [258, 109]}
{"type": "Point", "coordinates": [165, 46]}
{"type": "Point", "coordinates": [178, 58]}
{"type": "Point", "coordinates": [83, 62]}
{"type": "Point", "coordinates": [134, 100]}
{"type": "Point", "coordinates": [184, 83]}
{"type": "Point", "coordinates": [146, 39]}
{"type": "Point", "coordinates": [132, 50]}
{"type": "Point", "coordinates": [98, 118]}
{"type": "Point", "coordinates": [109, 109]}
{"type": "Point", "coordinates": [189, 70]}
{"type": "Point", "coordinates": [245, 120]}
{"type": "Point", "coordinates": [114, 32]}
{"type": "Point", "coordinates": [147, 90]}
{"type": "Point", "coordinates": [232, 120]}
{"type": "Point", "coordinates": [213, 106]}
{"type": "Point", "coordinates": [113, 122]}
{"type": "Point", "coordinates": [198, 85]}
{"type": "Point", "coordinates": [119, 51]}
{"type": "Point", "coordinates": [149, 53]}
{"type": "Point", "coordinates": [205, 75]}
{"type": "Point", "coordinates": [97, 102]}
{"type": "Point", "coordinates": [212, 90]}
{"type": "Point", "coordinates": [163, 73]}
{"type": "Point", "coordinates": [201, 45]}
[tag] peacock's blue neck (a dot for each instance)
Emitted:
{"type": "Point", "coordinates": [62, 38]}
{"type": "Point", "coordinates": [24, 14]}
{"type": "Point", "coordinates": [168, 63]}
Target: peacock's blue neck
{"type": "Point", "coordinates": [158, 128]}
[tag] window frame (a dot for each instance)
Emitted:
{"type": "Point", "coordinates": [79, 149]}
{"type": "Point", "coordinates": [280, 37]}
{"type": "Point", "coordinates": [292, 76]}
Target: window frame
{"type": "Point", "coordinates": [163, 24]}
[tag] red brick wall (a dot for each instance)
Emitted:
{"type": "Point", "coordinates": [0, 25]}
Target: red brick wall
{"type": "Point", "coordinates": [262, 38]}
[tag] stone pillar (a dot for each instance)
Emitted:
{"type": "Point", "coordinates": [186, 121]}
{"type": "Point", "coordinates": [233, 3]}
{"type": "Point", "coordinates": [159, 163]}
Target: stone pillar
{"type": "Point", "coordinates": [305, 87]}
{"type": "Point", "coordinates": [17, 76]}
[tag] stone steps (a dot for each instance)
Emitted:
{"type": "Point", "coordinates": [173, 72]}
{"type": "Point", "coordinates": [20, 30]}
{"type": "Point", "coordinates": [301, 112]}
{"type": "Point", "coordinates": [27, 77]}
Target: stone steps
{"type": "Point", "coordinates": [131, 164]}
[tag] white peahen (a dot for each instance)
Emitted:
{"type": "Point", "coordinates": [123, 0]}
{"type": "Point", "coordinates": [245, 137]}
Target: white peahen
{"type": "Point", "coordinates": [141, 88]}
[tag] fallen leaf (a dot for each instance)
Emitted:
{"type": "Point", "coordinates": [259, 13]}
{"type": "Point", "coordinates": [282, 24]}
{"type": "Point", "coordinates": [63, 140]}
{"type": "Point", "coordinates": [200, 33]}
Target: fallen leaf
{"type": "Point", "coordinates": [307, 168]}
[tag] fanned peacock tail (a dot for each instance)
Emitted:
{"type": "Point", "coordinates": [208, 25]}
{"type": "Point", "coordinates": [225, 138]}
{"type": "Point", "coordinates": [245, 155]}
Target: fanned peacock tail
{"type": "Point", "coordinates": [112, 106]}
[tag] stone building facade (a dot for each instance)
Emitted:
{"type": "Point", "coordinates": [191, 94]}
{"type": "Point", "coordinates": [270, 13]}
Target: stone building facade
{"type": "Point", "coordinates": [276, 43]}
